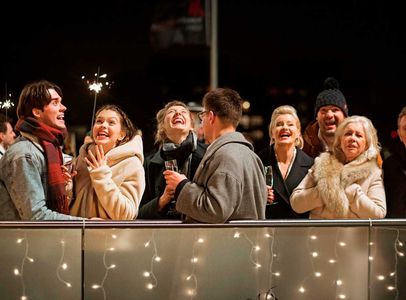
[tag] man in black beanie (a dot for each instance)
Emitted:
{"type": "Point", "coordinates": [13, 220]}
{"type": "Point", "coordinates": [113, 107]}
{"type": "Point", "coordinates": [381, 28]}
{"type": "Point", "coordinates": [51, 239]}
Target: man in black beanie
{"type": "Point", "coordinates": [330, 110]}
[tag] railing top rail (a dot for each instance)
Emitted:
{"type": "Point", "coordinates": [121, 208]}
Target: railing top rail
{"type": "Point", "coordinates": [90, 224]}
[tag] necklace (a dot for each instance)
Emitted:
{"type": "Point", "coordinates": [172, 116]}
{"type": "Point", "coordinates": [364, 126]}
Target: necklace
{"type": "Point", "coordinates": [290, 163]}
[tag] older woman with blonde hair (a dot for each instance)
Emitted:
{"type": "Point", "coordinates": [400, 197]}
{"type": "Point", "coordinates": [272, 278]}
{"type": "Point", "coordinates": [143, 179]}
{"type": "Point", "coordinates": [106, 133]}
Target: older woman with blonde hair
{"type": "Point", "coordinates": [288, 162]}
{"type": "Point", "coordinates": [177, 141]}
{"type": "Point", "coordinates": [347, 182]}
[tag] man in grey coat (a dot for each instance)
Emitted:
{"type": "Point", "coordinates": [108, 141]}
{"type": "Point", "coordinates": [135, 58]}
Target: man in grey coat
{"type": "Point", "coordinates": [229, 183]}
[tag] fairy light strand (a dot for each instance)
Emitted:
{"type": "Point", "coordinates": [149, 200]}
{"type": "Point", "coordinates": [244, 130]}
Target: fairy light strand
{"type": "Point", "coordinates": [398, 254]}
{"type": "Point", "coordinates": [62, 266]}
{"type": "Point", "coordinates": [268, 294]}
{"type": "Point", "coordinates": [192, 275]}
{"type": "Point", "coordinates": [20, 272]}
{"type": "Point", "coordinates": [254, 248]}
{"type": "Point", "coordinates": [107, 267]}
{"type": "Point", "coordinates": [154, 259]}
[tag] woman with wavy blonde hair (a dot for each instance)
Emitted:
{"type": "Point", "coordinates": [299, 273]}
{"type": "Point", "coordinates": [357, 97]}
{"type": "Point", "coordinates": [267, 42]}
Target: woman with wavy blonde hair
{"type": "Point", "coordinates": [288, 162]}
{"type": "Point", "coordinates": [176, 140]}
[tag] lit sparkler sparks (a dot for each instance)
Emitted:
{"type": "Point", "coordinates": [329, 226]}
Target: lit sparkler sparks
{"type": "Point", "coordinates": [7, 104]}
{"type": "Point", "coordinates": [96, 86]}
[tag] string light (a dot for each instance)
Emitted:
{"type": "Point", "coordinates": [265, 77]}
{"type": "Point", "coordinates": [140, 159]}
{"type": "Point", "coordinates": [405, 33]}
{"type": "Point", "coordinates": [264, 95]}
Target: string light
{"type": "Point", "coordinates": [192, 276]}
{"type": "Point", "coordinates": [254, 248]}
{"type": "Point", "coordinates": [398, 255]}
{"type": "Point", "coordinates": [272, 256]}
{"type": "Point", "coordinates": [62, 266]}
{"type": "Point", "coordinates": [107, 267]}
{"type": "Point", "coordinates": [20, 272]}
{"type": "Point", "coordinates": [315, 254]}
{"type": "Point", "coordinates": [155, 258]}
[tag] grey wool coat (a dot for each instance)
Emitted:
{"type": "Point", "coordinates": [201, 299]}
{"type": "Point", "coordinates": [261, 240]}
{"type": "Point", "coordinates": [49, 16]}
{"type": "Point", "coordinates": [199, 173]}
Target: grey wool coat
{"type": "Point", "coordinates": [229, 184]}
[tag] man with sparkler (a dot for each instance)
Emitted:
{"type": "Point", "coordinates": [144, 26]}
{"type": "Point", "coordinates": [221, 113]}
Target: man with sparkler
{"type": "Point", "coordinates": [32, 185]}
{"type": "Point", "coordinates": [7, 134]}
{"type": "Point", "coordinates": [229, 183]}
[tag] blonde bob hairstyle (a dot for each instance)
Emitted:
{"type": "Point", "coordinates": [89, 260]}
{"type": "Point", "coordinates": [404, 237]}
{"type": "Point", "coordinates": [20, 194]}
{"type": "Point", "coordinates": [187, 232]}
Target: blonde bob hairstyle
{"type": "Point", "coordinates": [161, 136]}
{"type": "Point", "coordinates": [372, 146]}
{"type": "Point", "coordinates": [286, 110]}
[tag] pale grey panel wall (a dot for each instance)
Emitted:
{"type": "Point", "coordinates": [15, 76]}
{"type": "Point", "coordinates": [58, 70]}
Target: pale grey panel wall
{"type": "Point", "coordinates": [231, 263]}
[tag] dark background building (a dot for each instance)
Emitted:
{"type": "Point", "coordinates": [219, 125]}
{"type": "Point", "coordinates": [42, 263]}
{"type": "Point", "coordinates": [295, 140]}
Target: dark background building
{"type": "Point", "coordinates": [272, 52]}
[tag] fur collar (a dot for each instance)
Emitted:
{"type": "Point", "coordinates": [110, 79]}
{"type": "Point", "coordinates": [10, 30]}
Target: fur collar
{"type": "Point", "coordinates": [333, 177]}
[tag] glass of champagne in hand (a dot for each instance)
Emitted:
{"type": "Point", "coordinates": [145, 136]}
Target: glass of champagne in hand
{"type": "Point", "coordinates": [269, 180]}
{"type": "Point", "coordinates": [172, 165]}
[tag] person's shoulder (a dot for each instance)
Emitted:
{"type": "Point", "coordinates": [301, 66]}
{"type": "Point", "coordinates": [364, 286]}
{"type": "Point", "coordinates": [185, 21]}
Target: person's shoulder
{"type": "Point", "coordinates": [21, 146]}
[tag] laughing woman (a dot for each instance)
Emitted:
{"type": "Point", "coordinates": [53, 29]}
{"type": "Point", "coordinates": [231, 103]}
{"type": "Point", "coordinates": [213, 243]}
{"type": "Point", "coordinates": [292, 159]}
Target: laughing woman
{"type": "Point", "coordinates": [176, 140]}
{"type": "Point", "coordinates": [110, 177]}
{"type": "Point", "coordinates": [347, 183]}
{"type": "Point", "coordinates": [289, 163]}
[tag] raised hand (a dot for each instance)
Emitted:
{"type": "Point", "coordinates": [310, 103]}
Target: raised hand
{"type": "Point", "coordinates": [96, 160]}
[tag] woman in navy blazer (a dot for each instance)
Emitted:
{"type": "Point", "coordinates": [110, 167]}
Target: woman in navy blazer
{"type": "Point", "coordinates": [289, 163]}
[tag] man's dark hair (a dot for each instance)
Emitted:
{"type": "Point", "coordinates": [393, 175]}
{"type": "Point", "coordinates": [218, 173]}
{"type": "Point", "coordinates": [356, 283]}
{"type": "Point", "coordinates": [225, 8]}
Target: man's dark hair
{"type": "Point", "coordinates": [224, 103]}
{"type": "Point", "coordinates": [35, 95]}
{"type": "Point", "coordinates": [3, 123]}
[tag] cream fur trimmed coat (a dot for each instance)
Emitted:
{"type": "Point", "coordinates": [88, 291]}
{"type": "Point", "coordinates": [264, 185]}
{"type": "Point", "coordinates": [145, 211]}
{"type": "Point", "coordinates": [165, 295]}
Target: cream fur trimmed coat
{"type": "Point", "coordinates": [333, 190]}
{"type": "Point", "coordinates": [113, 191]}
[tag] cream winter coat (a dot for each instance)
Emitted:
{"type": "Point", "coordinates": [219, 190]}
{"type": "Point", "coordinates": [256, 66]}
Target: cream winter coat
{"type": "Point", "coordinates": [113, 191]}
{"type": "Point", "coordinates": [333, 190]}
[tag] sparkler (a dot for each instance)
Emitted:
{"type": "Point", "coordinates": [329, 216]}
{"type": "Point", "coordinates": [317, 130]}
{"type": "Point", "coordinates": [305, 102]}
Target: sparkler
{"type": "Point", "coordinates": [96, 86]}
{"type": "Point", "coordinates": [7, 104]}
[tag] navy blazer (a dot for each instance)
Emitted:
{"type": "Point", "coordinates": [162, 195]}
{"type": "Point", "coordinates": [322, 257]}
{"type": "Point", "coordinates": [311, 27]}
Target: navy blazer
{"type": "Point", "coordinates": [283, 189]}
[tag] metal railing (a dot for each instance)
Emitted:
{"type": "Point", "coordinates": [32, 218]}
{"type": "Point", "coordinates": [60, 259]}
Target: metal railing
{"type": "Point", "coordinates": [284, 259]}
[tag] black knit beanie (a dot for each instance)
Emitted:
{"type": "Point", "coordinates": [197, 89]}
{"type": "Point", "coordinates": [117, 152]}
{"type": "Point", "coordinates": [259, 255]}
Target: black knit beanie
{"type": "Point", "coordinates": [331, 96]}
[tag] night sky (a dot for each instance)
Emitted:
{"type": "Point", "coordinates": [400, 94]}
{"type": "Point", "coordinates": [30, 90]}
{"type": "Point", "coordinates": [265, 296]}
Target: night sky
{"type": "Point", "coordinates": [272, 52]}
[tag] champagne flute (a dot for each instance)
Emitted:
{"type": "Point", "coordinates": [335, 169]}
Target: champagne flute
{"type": "Point", "coordinates": [172, 165]}
{"type": "Point", "coordinates": [68, 162]}
{"type": "Point", "coordinates": [269, 180]}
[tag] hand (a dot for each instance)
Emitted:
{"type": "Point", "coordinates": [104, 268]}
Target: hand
{"type": "Point", "coordinates": [351, 191]}
{"type": "Point", "coordinates": [173, 178]}
{"type": "Point", "coordinates": [96, 161]}
{"type": "Point", "coordinates": [270, 196]}
{"type": "Point", "coordinates": [166, 197]}
{"type": "Point", "coordinates": [67, 175]}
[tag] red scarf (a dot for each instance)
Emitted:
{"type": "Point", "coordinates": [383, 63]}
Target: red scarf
{"type": "Point", "coordinates": [51, 139]}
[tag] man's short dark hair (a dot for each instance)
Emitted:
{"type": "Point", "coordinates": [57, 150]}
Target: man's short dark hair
{"type": "Point", "coordinates": [35, 95]}
{"type": "Point", "coordinates": [224, 103]}
{"type": "Point", "coordinates": [3, 123]}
